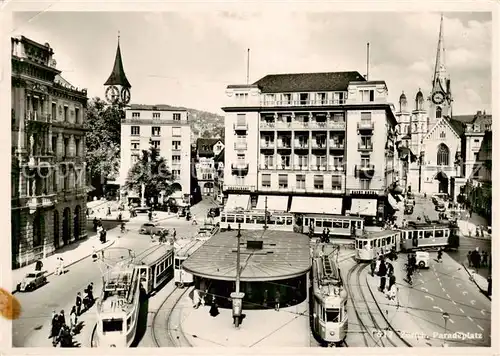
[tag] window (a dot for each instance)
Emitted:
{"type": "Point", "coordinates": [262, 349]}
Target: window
{"type": "Point", "coordinates": [285, 161]}
{"type": "Point", "coordinates": [336, 182]}
{"type": "Point", "coordinates": [287, 98]}
{"type": "Point", "coordinates": [366, 141]}
{"type": "Point", "coordinates": [318, 182]}
{"type": "Point", "coordinates": [110, 325]}
{"type": "Point", "coordinates": [155, 130]}
{"type": "Point", "coordinates": [487, 127]}
{"type": "Point", "coordinates": [176, 145]}
{"type": "Point", "coordinates": [77, 115]}
{"type": "Point", "coordinates": [302, 161]}
{"type": "Point", "coordinates": [77, 147]}
{"type": "Point", "coordinates": [176, 173]}
{"type": "Point", "coordinates": [366, 117]}
{"type": "Point", "coordinates": [439, 112]}
{"type": "Point", "coordinates": [332, 315]}
{"type": "Point", "coordinates": [266, 180]}
{"type": "Point", "coordinates": [54, 111]}
{"type": "Point", "coordinates": [156, 115]}
{"type": "Point", "coordinates": [241, 119]}
{"type": "Point", "coordinates": [476, 140]}
{"type": "Point", "coordinates": [268, 161]}
{"type": "Point", "coordinates": [155, 144]}
{"type": "Point", "coordinates": [177, 117]}
{"type": "Point", "coordinates": [66, 147]}
{"type": "Point", "coordinates": [240, 157]}
{"type": "Point", "coordinates": [321, 98]}
{"type": "Point", "coordinates": [300, 181]}
{"type": "Point", "coordinates": [176, 159]}
{"type": "Point", "coordinates": [304, 98]}
{"type": "Point", "coordinates": [321, 161]}
{"type": "Point", "coordinates": [283, 181]}
{"type": "Point", "coordinates": [365, 161]}
{"type": "Point", "coordinates": [135, 130]}
{"type": "Point", "coordinates": [65, 113]}
{"type": "Point", "coordinates": [443, 155]}
{"type": "Point", "coordinates": [54, 144]}
{"type": "Point", "coordinates": [367, 96]}
{"type": "Point", "coordinates": [338, 161]}
{"type": "Point", "coordinates": [134, 145]}
{"type": "Point", "coordinates": [442, 134]}
{"type": "Point", "coordinates": [136, 115]}
{"type": "Point", "coordinates": [338, 117]}
{"type": "Point", "coordinates": [365, 183]}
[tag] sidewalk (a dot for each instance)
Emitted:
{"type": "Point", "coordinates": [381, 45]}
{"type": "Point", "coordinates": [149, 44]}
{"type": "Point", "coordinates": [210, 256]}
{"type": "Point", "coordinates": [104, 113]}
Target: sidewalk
{"type": "Point", "coordinates": [468, 228]}
{"type": "Point", "coordinates": [479, 281]}
{"type": "Point", "coordinates": [71, 254]}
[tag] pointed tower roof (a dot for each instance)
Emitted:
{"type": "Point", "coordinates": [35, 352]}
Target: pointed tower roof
{"type": "Point", "coordinates": [440, 75]}
{"type": "Point", "coordinates": [118, 76]}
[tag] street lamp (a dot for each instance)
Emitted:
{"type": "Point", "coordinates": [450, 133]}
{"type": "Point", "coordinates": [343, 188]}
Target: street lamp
{"type": "Point", "coordinates": [237, 296]}
{"type": "Point", "coordinates": [446, 316]}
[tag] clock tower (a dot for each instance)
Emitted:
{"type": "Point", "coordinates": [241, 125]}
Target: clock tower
{"type": "Point", "coordinates": [117, 86]}
{"type": "Point", "coordinates": [440, 97]}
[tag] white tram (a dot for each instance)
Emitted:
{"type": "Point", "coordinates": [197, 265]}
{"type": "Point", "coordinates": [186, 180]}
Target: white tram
{"type": "Point", "coordinates": [155, 266]}
{"type": "Point", "coordinates": [339, 225]}
{"type": "Point", "coordinates": [118, 308]}
{"type": "Point", "coordinates": [329, 297]}
{"type": "Point", "coordinates": [255, 220]}
{"type": "Point", "coordinates": [371, 245]}
{"type": "Point", "coordinates": [419, 236]}
{"type": "Point", "coordinates": [181, 277]}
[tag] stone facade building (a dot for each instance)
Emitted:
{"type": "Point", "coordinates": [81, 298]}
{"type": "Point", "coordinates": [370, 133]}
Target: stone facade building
{"type": "Point", "coordinates": [48, 182]}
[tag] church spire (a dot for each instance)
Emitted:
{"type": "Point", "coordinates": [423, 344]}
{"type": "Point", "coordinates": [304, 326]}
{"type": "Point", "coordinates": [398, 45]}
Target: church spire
{"type": "Point", "coordinates": [439, 81]}
{"type": "Point", "coordinates": [118, 76]}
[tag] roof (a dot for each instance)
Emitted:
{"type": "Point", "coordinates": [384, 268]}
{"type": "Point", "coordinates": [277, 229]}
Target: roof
{"type": "Point", "coordinates": [117, 76]}
{"type": "Point", "coordinates": [156, 107]}
{"type": "Point", "coordinates": [458, 126]}
{"type": "Point", "coordinates": [377, 234]}
{"type": "Point", "coordinates": [220, 156]}
{"type": "Point", "coordinates": [189, 248]}
{"type": "Point", "coordinates": [153, 254]}
{"type": "Point", "coordinates": [206, 142]}
{"type": "Point", "coordinates": [464, 118]}
{"type": "Point", "coordinates": [303, 82]}
{"type": "Point", "coordinates": [60, 80]}
{"type": "Point", "coordinates": [284, 255]}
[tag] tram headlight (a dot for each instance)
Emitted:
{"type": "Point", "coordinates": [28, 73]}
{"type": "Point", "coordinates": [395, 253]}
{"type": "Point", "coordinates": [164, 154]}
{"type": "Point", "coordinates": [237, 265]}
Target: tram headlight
{"type": "Point", "coordinates": [332, 333]}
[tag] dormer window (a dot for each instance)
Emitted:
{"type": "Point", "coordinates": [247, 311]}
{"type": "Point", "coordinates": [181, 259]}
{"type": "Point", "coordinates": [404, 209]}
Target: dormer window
{"type": "Point", "coordinates": [321, 98]}
{"type": "Point", "coordinates": [156, 115]}
{"type": "Point", "coordinates": [287, 98]}
{"type": "Point", "coordinates": [136, 114]}
{"type": "Point", "coordinates": [367, 96]}
{"type": "Point", "coordinates": [304, 98]}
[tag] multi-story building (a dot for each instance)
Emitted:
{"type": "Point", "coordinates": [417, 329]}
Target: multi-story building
{"type": "Point", "coordinates": [324, 139]}
{"type": "Point", "coordinates": [206, 150]}
{"type": "Point", "coordinates": [167, 129]}
{"type": "Point", "coordinates": [48, 205]}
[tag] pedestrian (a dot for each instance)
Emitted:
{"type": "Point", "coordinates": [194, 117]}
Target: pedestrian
{"type": "Point", "coordinates": [78, 304]}
{"type": "Point", "coordinates": [484, 259]}
{"type": "Point", "coordinates": [327, 235]}
{"type": "Point", "coordinates": [214, 310]}
{"type": "Point", "coordinates": [390, 268]}
{"type": "Point", "coordinates": [440, 255]}
{"type": "Point", "coordinates": [382, 272]}
{"type": "Point", "coordinates": [62, 318]}
{"type": "Point", "coordinates": [469, 258]}
{"type": "Point", "coordinates": [194, 220]}
{"type": "Point", "coordinates": [174, 233]}
{"type": "Point", "coordinates": [392, 281]}
{"type": "Point", "coordinates": [120, 217]}
{"type": "Point", "coordinates": [476, 258]}
{"type": "Point", "coordinates": [73, 319]}
{"type": "Point", "coordinates": [109, 211]}
{"type": "Point", "coordinates": [54, 331]}
{"type": "Point", "coordinates": [373, 265]}
{"type": "Point", "coordinates": [277, 300]}
{"type": "Point", "coordinates": [94, 222]}
{"type": "Point", "coordinates": [323, 235]}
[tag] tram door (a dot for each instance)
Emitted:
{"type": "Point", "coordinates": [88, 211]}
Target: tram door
{"type": "Point", "coordinates": [146, 280]}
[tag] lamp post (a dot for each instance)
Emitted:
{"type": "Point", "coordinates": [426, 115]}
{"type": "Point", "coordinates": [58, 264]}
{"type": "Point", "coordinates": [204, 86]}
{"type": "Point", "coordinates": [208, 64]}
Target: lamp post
{"type": "Point", "coordinates": [265, 214]}
{"type": "Point", "coordinates": [446, 316]}
{"type": "Point", "coordinates": [237, 296]}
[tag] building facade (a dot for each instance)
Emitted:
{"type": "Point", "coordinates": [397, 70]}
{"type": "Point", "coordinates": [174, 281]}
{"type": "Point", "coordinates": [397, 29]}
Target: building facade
{"type": "Point", "coordinates": [167, 129]}
{"type": "Point", "coordinates": [311, 135]}
{"type": "Point", "coordinates": [206, 151]}
{"type": "Point", "coordinates": [49, 193]}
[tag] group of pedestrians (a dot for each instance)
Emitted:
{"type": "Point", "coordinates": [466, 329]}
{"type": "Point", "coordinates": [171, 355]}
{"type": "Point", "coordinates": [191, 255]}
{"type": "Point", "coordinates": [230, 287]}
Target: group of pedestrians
{"type": "Point", "coordinates": [383, 268]}
{"type": "Point", "coordinates": [477, 260]}
{"type": "Point", "coordinates": [325, 236]}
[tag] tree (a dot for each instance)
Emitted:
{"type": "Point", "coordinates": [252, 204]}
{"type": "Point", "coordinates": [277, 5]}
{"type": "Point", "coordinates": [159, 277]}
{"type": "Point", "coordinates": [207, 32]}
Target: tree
{"type": "Point", "coordinates": [151, 170]}
{"type": "Point", "coordinates": [102, 142]}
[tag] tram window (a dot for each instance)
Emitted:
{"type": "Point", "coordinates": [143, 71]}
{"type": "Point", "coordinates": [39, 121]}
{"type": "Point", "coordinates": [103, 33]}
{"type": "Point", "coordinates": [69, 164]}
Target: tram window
{"type": "Point", "coordinates": [110, 325]}
{"type": "Point", "coordinates": [289, 220]}
{"type": "Point", "coordinates": [446, 233]}
{"type": "Point", "coordinates": [420, 234]}
{"type": "Point", "coordinates": [372, 243]}
{"type": "Point", "coordinates": [388, 239]}
{"type": "Point", "coordinates": [439, 233]}
{"type": "Point", "coordinates": [337, 224]}
{"type": "Point", "coordinates": [327, 223]}
{"type": "Point", "coordinates": [280, 221]}
{"type": "Point", "coordinates": [306, 221]}
{"type": "Point", "coordinates": [230, 218]}
{"type": "Point", "coordinates": [365, 243]}
{"type": "Point", "coordinates": [359, 225]}
{"type": "Point", "coordinates": [240, 218]}
{"type": "Point", "coordinates": [129, 322]}
{"type": "Point", "coordinates": [177, 263]}
{"type": "Point", "coordinates": [383, 242]}
{"type": "Point", "coordinates": [223, 218]}
{"type": "Point", "coordinates": [345, 224]}
{"type": "Point", "coordinates": [428, 234]}
{"type": "Point", "coordinates": [332, 315]}
{"type": "Point", "coordinates": [249, 219]}
{"type": "Point", "coordinates": [319, 223]}
{"type": "Point", "coordinates": [378, 243]}
{"type": "Point", "coordinates": [392, 239]}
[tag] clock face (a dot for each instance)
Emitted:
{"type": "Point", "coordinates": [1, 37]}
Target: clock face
{"type": "Point", "coordinates": [438, 97]}
{"type": "Point", "coordinates": [125, 95]}
{"type": "Point", "coordinates": [112, 94]}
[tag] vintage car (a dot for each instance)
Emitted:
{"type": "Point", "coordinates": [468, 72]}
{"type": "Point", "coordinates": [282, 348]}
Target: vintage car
{"type": "Point", "coordinates": [150, 228]}
{"type": "Point", "coordinates": [422, 259]}
{"type": "Point", "coordinates": [32, 280]}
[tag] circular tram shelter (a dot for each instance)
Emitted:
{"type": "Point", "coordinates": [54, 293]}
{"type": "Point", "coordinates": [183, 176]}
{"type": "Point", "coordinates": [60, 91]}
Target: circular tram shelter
{"type": "Point", "coordinates": [274, 267]}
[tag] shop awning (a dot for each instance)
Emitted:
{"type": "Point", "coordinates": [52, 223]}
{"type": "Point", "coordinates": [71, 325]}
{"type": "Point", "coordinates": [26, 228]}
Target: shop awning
{"type": "Point", "coordinates": [274, 203]}
{"type": "Point", "coordinates": [366, 207]}
{"type": "Point", "coordinates": [237, 201]}
{"type": "Point", "coordinates": [392, 202]}
{"type": "Point", "coordinates": [314, 205]}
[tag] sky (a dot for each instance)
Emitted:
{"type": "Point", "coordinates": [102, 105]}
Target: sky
{"type": "Point", "coordinates": [188, 58]}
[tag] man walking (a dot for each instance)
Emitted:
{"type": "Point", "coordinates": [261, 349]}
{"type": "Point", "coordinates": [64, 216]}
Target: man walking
{"type": "Point", "coordinates": [382, 272]}
{"type": "Point", "coordinates": [78, 304]}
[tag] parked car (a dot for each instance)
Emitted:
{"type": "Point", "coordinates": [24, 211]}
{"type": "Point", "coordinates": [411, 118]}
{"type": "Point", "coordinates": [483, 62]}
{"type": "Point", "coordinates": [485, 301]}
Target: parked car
{"type": "Point", "coordinates": [440, 206]}
{"type": "Point", "coordinates": [150, 228]}
{"type": "Point", "coordinates": [213, 212]}
{"type": "Point", "coordinates": [408, 209]}
{"type": "Point", "coordinates": [32, 281]}
{"type": "Point", "coordinates": [422, 259]}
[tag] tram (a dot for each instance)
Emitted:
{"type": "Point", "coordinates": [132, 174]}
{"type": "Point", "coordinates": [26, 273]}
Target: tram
{"type": "Point", "coordinates": [118, 307]}
{"type": "Point", "coordinates": [181, 277]}
{"type": "Point", "coordinates": [329, 298]}
{"type": "Point", "coordinates": [255, 220]}
{"type": "Point", "coordinates": [339, 225]}
{"type": "Point", "coordinates": [374, 244]}
{"type": "Point", "coordinates": [419, 236]}
{"type": "Point", "coordinates": [155, 266]}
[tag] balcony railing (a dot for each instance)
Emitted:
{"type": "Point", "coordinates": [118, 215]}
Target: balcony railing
{"type": "Point", "coordinates": [239, 188]}
{"type": "Point", "coordinates": [240, 145]}
{"type": "Point", "coordinates": [239, 169]}
{"type": "Point", "coordinates": [302, 102]}
{"type": "Point", "coordinates": [303, 125]}
{"type": "Point", "coordinates": [336, 125]}
{"type": "Point", "coordinates": [318, 167]}
{"type": "Point", "coordinates": [336, 146]}
{"type": "Point", "coordinates": [41, 201]}
{"type": "Point", "coordinates": [301, 145]}
{"type": "Point", "coordinates": [301, 167]}
{"type": "Point", "coordinates": [240, 126]}
{"type": "Point", "coordinates": [364, 171]}
{"type": "Point", "coordinates": [302, 189]}
{"type": "Point", "coordinates": [35, 116]}
{"type": "Point", "coordinates": [318, 146]}
{"type": "Point", "coordinates": [365, 125]}
{"type": "Point", "coordinates": [269, 145]}
{"type": "Point", "coordinates": [284, 145]}
{"type": "Point", "coordinates": [365, 147]}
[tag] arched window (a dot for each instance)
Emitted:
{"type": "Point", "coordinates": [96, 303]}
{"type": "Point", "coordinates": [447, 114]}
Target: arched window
{"type": "Point", "coordinates": [438, 112]}
{"type": "Point", "coordinates": [443, 155]}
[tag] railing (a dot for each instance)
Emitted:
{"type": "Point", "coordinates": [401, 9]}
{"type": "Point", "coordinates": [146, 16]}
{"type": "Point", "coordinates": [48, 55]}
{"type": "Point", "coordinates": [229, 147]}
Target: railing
{"type": "Point", "coordinates": [302, 189]}
{"type": "Point", "coordinates": [301, 145]}
{"type": "Point", "coordinates": [318, 167]}
{"type": "Point", "coordinates": [334, 125]}
{"type": "Point", "coordinates": [267, 145]}
{"type": "Point", "coordinates": [318, 146]}
{"type": "Point", "coordinates": [240, 126]}
{"type": "Point", "coordinates": [41, 201]}
{"type": "Point", "coordinates": [35, 116]}
{"type": "Point", "coordinates": [364, 171]}
{"type": "Point", "coordinates": [365, 147]}
{"type": "Point", "coordinates": [239, 188]}
{"type": "Point", "coordinates": [302, 102]}
{"type": "Point", "coordinates": [155, 121]}
{"type": "Point", "coordinates": [334, 146]}
{"type": "Point", "coordinates": [365, 125]}
{"type": "Point", "coordinates": [239, 169]}
{"type": "Point", "coordinates": [284, 146]}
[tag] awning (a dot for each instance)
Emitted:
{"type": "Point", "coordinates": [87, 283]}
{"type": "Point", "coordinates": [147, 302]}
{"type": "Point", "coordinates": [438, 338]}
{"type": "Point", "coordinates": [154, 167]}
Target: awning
{"type": "Point", "coordinates": [237, 201]}
{"type": "Point", "coordinates": [367, 207]}
{"type": "Point", "coordinates": [392, 202]}
{"type": "Point", "coordinates": [314, 205]}
{"type": "Point", "coordinates": [274, 203]}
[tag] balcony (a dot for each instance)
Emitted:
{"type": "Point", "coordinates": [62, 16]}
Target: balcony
{"type": "Point", "coordinates": [267, 125]}
{"type": "Point", "coordinates": [267, 145]}
{"type": "Point", "coordinates": [239, 188]}
{"type": "Point", "coordinates": [284, 146]}
{"type": "Point", "coordinates": [318, 146]}
{"type": "Point", "coordinates": [266, 166]}
{"type": "Point", "coordinates": [35, 116]}
{"type": "Point", "coordinates": [336, 125]}
{"type": "Point", "coordinates": [240, 126]}
{"type": "Point", "coordinates": [301, 167]}
{"type": "Point", "coordinates": [336, 146]}
{"type": "Point", "coordinates": [325, 102]}
{"type": "Point", "coordinates": [365, 147]}
{"type": "Point", "coordinates": [318, 167]}
{"type": "Point", "coordinates": [239, 169]}
{"type": "Point", "coordinates": [365, 125]}
{"type": "Point", "coordinates": [240, 145]}
{"type": "Point", "coordinates": [336, 168]}
{"type": "Point", "coordinates": [41, 201]}
{"type": "Point", "coordinates": [364, 171]}
{"type": "Point", "coordinates": [301, 145]}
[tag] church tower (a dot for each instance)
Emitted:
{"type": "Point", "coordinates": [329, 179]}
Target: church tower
{"type": "Point", "coordinates": [117, 85]}
{"type": "Point", "coordinates": [440, 98]}
{"type": "Point", "coordinates": [418, 124]}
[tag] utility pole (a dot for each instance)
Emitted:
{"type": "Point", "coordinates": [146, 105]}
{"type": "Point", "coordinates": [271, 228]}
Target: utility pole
{"type": "Point", "coordinates": [237, 296]}
{"type": "Point", "coordinates": [265, 214]}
